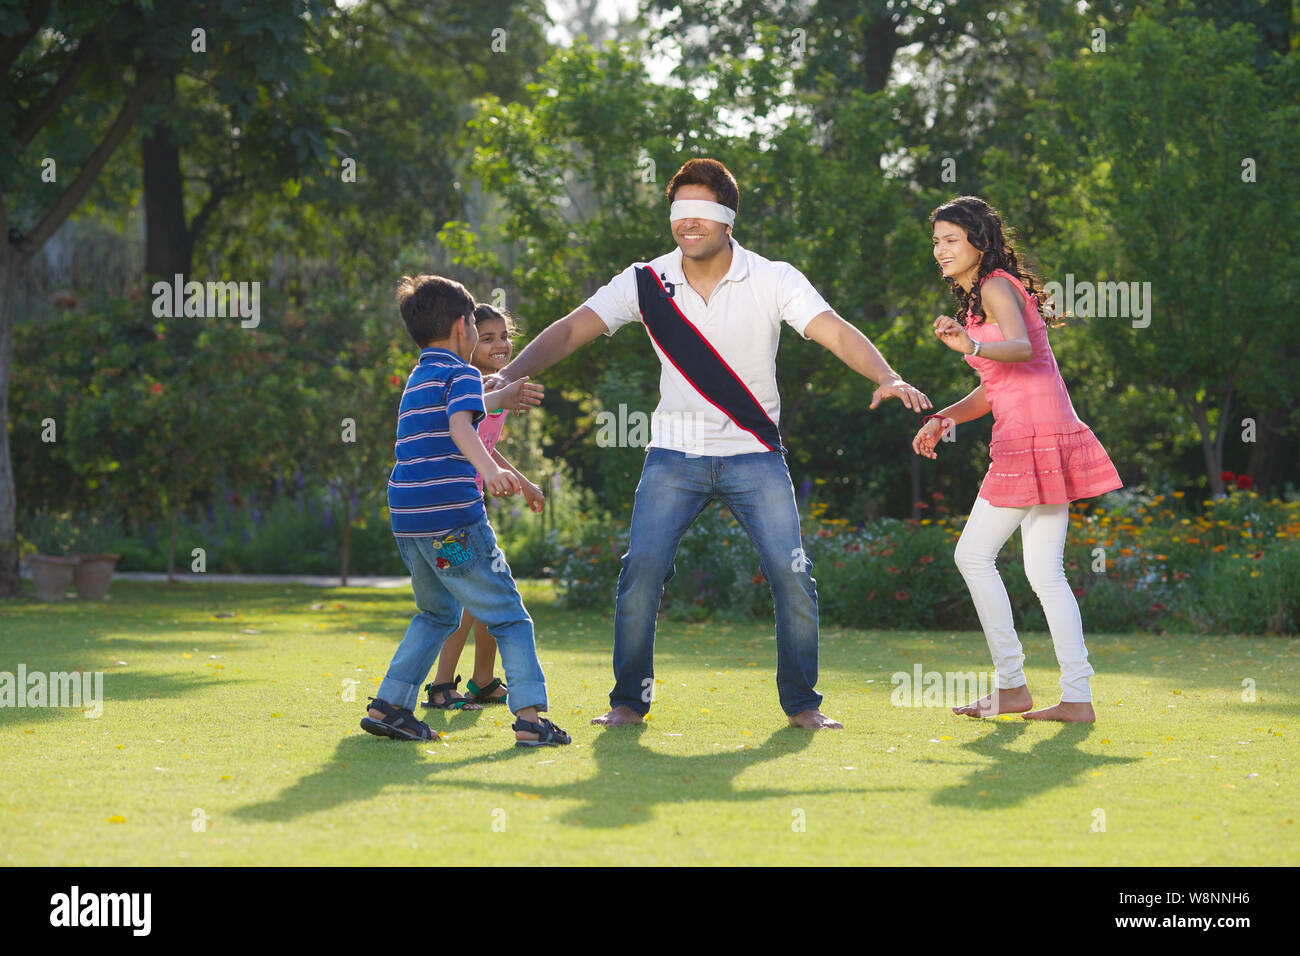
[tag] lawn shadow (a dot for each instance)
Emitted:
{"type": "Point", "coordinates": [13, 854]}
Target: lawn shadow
{"type": "Point", "coordinates": [630, 779]}
{"type": "Point", "coordinates": [1014, 777]}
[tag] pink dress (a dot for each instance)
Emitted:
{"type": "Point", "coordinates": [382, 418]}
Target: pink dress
{"type": "Point", "coordinates": [489, 433]}
{"type": "Point", "coordinates": [1041, 452]}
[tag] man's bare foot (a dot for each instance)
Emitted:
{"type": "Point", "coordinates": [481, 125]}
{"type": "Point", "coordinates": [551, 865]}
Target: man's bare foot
{"type": "Point", "coordinates": [1013, 700]}
{"type": "Point", "coordinates": [814, 719]}
{"type": "Point", "coordinates": [1069, 712]}
{"type": "Point", "coordinates": [619, 716]}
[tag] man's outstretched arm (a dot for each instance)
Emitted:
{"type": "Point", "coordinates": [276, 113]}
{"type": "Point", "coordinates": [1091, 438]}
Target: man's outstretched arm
{"type": "Point", "coordinates": [557, 341]}
{"type": "Point", "coordinates": [855, 350]}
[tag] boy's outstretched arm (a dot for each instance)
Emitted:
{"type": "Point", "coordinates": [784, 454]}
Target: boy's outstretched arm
{"type": "Point", "coordinates": [855, 350]}
{"type": "Point", "coordinates": [557, 341]}
{"type": "Point", "coordinates": [497, 480]}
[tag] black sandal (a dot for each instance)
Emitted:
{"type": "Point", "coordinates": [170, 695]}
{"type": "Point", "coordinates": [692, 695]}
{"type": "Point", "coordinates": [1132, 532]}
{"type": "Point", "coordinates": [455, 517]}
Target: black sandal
{"type": "Point", "coordinates": [483, 695]}
{"type": "Point", "coordinates": [458, 702]}
{"type": "Point", "coordinates": [548, 735]}
{"type": "Point", "coordinates": [398, 724]}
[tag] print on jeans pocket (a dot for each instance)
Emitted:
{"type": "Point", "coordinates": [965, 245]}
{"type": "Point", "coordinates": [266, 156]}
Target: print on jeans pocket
{"type": "Point", "coordinates": [452, 551]}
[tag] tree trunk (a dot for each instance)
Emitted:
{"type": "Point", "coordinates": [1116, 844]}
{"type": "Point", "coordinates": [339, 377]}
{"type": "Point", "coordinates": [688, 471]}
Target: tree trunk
{"type": "Point", "coordinates": [1211, 447]}
{"type": "Point", "coordinates": [171, 548]}
{"type": "Point", "coordinates": [13, 261]}
{"type": "Point", "coordinates": [10, 586]}
{"type": "Point", "coordinates": [347, 537]}
{"type": "Point", "coordinates": [169, 247]}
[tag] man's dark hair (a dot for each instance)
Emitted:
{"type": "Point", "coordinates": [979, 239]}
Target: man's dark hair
{"type": "Point", "coordinates": [711, 173]}
{"type": "Point", "coordinates": [431, 305]}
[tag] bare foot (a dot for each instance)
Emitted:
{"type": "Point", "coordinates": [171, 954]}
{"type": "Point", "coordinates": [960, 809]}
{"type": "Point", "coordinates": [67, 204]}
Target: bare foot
{"type": "Point", "coordinates": [1013, 700]}
{"type": "Point", "coordinates": [1072, 713]}
{"type": "Point", "coordinates": [619, 716]}
{"type": "Point", "coordinates": [814, 719]}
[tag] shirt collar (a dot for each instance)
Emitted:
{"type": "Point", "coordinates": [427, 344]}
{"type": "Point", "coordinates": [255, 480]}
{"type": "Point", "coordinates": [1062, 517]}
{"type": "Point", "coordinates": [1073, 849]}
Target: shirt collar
{"type": "Point", "coordinates": [430, 355]}
{"type": "Point", "coordinates": [739, 264]}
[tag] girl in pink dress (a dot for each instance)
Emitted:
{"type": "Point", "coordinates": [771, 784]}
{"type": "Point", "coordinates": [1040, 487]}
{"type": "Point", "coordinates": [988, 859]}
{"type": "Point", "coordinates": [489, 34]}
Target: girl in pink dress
{"type": "Point", "coordinates": [495, 329]}
{"type": "Point", "coordinates": [1043, 456]}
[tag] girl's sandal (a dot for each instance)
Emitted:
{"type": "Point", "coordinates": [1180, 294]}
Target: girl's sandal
{"type": "Point", "coordinates": [399, 724]}
{"type": "Point", "coordinates": [448, 701]}
{"type": "Point", "coordinates": [548, 735]}
{"type": "Point", "coordinates": [483, 695]}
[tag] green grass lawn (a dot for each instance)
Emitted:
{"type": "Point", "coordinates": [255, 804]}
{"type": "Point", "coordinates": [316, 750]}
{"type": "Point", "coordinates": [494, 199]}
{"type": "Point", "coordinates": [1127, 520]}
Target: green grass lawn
{"type": "Point", "coordinates": [227, 740]}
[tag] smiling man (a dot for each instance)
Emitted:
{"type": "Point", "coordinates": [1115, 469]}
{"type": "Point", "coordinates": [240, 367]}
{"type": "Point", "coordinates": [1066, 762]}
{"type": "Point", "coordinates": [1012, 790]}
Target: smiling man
{"type": "Point", "coordinates": [713, 311]}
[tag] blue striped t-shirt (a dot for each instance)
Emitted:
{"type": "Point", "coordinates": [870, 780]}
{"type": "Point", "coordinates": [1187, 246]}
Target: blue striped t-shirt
{"type": "Point", "coordinates": [432, 489]}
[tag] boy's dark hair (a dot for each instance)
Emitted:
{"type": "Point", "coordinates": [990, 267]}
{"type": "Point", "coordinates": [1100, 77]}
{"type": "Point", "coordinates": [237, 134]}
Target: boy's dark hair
{"type": "Point", "coordinates": [711, 173]}
{"type": "Point", "coordinates": [431, 305]}
{"type": "Point", "coordinates": [485, 313]}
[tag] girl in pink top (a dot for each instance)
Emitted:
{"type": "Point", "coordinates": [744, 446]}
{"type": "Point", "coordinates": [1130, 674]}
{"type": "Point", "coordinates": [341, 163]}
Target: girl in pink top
{"type": "Point", "coordinates": [495, 329]}
{"type": "Point", "coordinates": [1043, 456]}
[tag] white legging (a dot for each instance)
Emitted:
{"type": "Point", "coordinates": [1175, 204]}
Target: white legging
{"type": "Point", "coordinates": [1042, 531]}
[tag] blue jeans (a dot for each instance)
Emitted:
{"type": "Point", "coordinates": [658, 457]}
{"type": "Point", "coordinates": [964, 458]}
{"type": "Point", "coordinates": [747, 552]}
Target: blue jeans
{"type": "Point", "coordinates": [673, 490]}
{"type": "Point", "coordinates": [474, 576]}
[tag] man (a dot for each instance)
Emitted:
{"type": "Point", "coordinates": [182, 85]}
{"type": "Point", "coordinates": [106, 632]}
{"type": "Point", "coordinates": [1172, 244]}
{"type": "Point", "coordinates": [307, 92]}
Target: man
{"type": "Point", "coordinates": [713, 311]}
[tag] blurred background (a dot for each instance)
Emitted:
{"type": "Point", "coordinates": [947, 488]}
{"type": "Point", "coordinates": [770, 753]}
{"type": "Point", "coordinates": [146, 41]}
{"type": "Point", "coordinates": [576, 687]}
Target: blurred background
{"type": "Point", "coordinates": [323, 150]}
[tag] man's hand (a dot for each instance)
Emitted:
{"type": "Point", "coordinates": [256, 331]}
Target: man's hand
{"type": "Point", "coordinates": [533, 496]}
{"type": "Point", "coordinates": [518, 396]}
{"type": "Point", "coordinates": [927, 439]}
{"type": "Point", "coordinates": [909, 396]}
{"type": "Point", "coordinates": [501, 483]}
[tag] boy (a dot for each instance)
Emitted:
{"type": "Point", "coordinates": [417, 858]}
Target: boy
{"type": "Point", "coordinates": [441, 525]}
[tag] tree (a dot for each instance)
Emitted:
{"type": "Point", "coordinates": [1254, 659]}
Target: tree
{"type": "Point", "coordinates": [1187, 153]}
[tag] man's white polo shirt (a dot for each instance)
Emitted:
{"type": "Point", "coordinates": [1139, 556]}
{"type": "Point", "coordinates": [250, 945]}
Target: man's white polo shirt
{"type": "Point", "coordinates": [742, 322]}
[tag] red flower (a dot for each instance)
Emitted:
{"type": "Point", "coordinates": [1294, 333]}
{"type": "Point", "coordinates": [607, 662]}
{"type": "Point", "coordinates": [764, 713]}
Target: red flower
{"type": "Point", "coordinates": [926, 559]}
{"type": "Point", "coordinates": [871, 595]}
{"type": "Point", "coordinates": [1157, 608]}
{"type": "Point", "coordinates": [156, 388]}
{"type": "Point", "coordinates": [937, 496]}
{"type": "Point", "coordinates": [900, 595]}
{"type": "Point", "coordinates": [1244, 482]}
{"type": "Point", "coordinates": [1257, 555]}
{"type": "Point", "coordinates": [922, 504]}
{"type": "Point", "coordinates": [757, 579]}
{"type": "Point", "coordinates": [1078, 592]}
{"type": "Point", "coordinates": [395, 380]}
{"type": "Point", "coordinates": [1227, 476]}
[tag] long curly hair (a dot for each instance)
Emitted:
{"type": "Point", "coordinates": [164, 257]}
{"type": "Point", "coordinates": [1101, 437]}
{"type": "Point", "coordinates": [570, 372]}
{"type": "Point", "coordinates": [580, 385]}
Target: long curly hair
{"type": "Point", "coordinates": [984, 231]}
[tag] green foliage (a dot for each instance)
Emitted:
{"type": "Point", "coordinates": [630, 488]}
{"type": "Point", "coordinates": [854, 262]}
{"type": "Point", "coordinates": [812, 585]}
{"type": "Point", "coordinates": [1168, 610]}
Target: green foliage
{"type": "Point", "coordinates": [1232, 568]}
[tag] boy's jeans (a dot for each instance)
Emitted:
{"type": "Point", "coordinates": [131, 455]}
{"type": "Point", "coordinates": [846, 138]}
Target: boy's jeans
{"type": "Point", "coordinates": [474, 576]}
{"type": "Point", "coordinates": [673, 490]}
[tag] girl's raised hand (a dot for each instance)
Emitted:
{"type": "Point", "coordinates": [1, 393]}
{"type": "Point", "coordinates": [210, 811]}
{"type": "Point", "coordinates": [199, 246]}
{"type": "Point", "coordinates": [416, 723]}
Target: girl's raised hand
{"type": "Point", "coordinates": [927, 438]}
{"type": "Point", "coordinates": [520, 395]}
{"type": "Point", "coordinates": [951, 334]}
{"type": "Point", "coordinates": [533, 497]}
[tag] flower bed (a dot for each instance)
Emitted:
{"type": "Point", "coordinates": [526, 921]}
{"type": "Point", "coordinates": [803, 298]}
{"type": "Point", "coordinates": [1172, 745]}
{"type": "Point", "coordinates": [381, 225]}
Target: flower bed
{"type": "Point", "coordinates": [1136, 562]}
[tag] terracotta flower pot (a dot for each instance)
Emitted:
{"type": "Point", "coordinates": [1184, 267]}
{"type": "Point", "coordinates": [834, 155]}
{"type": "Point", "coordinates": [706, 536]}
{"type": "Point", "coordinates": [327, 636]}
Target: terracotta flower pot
{"type": "Point", "coordinates": [93, 573]}
{"type": "Point", "coordinates": [51, 575]}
